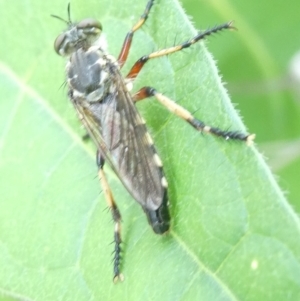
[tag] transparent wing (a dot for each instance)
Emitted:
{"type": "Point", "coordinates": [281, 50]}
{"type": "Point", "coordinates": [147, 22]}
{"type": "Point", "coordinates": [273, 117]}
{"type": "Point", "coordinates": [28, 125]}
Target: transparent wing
{"type": "Point", "coordinates": [121, 136]}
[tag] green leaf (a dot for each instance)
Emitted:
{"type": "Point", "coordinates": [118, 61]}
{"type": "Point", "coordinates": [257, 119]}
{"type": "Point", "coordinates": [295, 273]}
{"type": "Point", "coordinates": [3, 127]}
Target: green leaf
{"type": "Point", "coordinates": [266, 86]}
{"type": "Point", "coordinates": [233, 236]}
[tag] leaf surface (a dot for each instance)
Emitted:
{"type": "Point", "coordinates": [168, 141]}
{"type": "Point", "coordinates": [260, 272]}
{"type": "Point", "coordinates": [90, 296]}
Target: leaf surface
{"type": "Point", "coordinates": [233, 234]}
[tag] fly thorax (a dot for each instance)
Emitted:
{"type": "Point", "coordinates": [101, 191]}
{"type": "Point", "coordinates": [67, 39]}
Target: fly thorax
{"type": "Point", "coordinates": [88, 74]}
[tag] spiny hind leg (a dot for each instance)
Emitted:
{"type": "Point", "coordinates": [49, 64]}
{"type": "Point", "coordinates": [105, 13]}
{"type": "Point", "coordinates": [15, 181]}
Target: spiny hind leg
{"type": "Point", "coordinates": [116, 218]}
{"type": "Point", "coordinates": [184, 114]}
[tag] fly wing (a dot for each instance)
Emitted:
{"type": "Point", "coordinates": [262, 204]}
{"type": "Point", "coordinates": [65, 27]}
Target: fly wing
{"type": "Point", "coordinates": [120, 134]}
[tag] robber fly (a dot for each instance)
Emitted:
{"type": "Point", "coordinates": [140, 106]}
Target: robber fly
{"type": "Point", "coordinates": [101, 96]}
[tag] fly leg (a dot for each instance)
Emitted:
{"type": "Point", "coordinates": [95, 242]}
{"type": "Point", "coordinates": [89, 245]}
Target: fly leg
{"type": "Point", "coordinates": [128, 39]}
{"type": "Point", "coordinates": [137, 67]}
{"type": "Point", "coordinates": [116, 218]}
{"type": "Point", "coordinates": [184, 114]}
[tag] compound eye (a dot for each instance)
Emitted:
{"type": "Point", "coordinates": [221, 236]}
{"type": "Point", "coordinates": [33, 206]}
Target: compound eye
{"type": "Point", "coordinates": [90, 24]}
{"type": "Point", "coordinates": [59, 41]}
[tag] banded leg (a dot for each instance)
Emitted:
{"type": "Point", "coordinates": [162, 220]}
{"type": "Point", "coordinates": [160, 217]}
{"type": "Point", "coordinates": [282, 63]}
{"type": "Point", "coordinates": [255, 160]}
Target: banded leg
{"type": "Point", "coordinates": [187, 116]}
{"type": "Point", "coordinates": [137, 67]}
{"type": "Point", "coordinates": [128, 39]}
{"type": "Point", "coordinates": [116, 218]}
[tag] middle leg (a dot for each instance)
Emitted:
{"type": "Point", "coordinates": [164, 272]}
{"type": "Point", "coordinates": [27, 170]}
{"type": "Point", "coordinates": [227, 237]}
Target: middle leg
{"type": "Point", "coordinates": [137, 67]}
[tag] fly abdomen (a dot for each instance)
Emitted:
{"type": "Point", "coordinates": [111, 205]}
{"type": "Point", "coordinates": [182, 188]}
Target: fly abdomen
{"type": "Point", "coordinates": [159, 219]}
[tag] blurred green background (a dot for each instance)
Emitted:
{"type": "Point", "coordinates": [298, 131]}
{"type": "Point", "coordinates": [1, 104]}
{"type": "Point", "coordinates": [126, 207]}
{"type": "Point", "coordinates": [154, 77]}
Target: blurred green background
{"type": "Point", "coordinates": [259, 64]}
